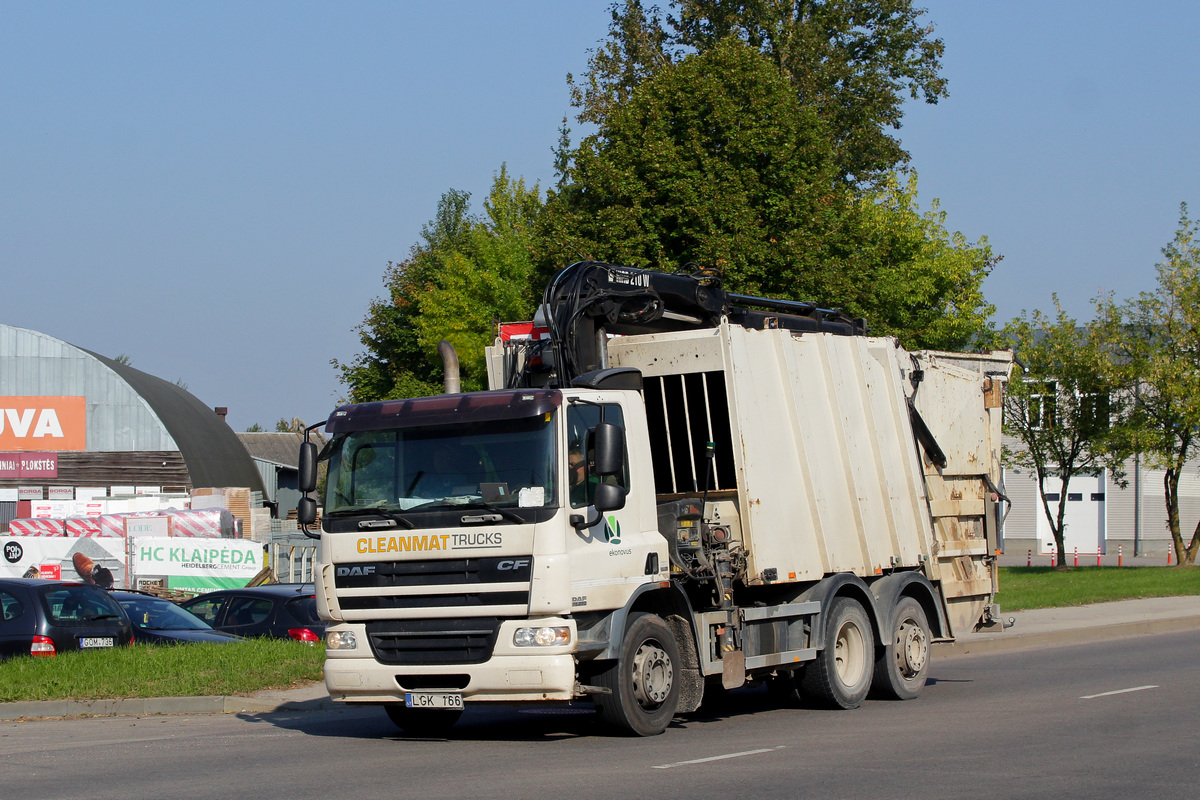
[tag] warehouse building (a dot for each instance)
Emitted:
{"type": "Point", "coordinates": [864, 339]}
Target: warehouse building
{"type": "Point", "coordinates": [73, 420]}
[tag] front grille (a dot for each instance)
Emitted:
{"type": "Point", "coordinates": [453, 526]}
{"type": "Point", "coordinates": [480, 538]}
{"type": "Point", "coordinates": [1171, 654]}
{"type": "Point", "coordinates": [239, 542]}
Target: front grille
{"type": "Point", "coordinates": [464, 600]}
{"type": "Point", "coordinates": [414, 642]}
{"type": "Point", "coordinates": [457, 583]}
{"type": "Point", "coordinates": [434, 572]}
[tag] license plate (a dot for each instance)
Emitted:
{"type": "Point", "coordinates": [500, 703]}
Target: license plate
{"type": "Point", "coordinates": [96, 641]}
{"type": "Point", "coordinates": [433, 700]}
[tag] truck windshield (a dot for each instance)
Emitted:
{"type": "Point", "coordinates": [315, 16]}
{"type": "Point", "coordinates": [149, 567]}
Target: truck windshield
{"type": "Point", "coordinates": [502, 463]}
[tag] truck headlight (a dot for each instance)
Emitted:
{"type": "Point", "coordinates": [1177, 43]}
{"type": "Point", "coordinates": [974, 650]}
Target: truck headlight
{"type": "Point", "coordinates": [340, 640]}
{"type": "Point", "coordinates": [542, 637]}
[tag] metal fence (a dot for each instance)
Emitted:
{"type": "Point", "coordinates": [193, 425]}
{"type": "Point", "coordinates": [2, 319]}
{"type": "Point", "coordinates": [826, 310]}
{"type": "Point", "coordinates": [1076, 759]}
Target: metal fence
{"type": "Point", "coordinates": [292, 556]}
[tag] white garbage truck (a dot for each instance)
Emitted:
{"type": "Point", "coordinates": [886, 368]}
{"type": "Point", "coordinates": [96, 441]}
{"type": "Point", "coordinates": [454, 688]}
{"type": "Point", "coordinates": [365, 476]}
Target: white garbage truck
{"type": "Point", "coordinates": [670, 490]}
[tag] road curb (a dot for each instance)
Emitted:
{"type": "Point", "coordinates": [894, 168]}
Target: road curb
{"type": "Point", "coordinates": [1013, 641]}
{"type": "Point", "coordinates": [152, 706]}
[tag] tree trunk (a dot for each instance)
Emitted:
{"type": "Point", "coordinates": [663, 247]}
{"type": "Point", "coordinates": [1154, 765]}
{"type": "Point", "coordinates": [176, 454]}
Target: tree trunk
{"type": "Point", "coordinates": [1171, 496]}
{"type": "Point", "coordinates": [1188, 556]}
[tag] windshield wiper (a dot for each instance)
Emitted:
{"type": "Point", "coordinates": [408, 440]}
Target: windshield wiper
{"type": "Point", "coordinates": [508, 514]}
{"type": "Point", "coordinates": [383, 512]}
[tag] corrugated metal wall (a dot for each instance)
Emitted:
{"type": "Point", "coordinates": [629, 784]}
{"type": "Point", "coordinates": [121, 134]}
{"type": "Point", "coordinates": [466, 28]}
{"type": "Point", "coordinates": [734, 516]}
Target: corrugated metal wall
{"type": "Point", "coordinates": [269, 471]}
{"type": "Point", "coordinates": [1121, 507]}
{"type": "Point", "coordinates": [118, 418]}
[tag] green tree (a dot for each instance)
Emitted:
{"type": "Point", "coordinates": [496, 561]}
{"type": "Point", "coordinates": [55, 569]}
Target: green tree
{"type": "Point", "coordinates": [851, 61]}
{"type": "Point", "coordinates": [912, 278]}
{"type": "Point", "coordinates": [1156, 345]}
{"type": "Point", "coordinates": [256, 428]}
{"type": "Point", "coordinates": [293, 425]}
{"type": "Point", "coordinates": [713, 161]}
{"type": "Point", "coordinates": [717, 162]}
{"type": "Point", "coordinates": [468, 273]}
{"type": "Point", "coordinates": [1059, 404]}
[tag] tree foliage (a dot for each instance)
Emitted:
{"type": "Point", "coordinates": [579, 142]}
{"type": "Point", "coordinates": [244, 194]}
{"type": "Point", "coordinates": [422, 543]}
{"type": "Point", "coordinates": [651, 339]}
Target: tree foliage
{"type": "Point", "coordinates": [912, 278]}
{"type": "Point", "coordinates": [717, 162]}
{"type": "Point", "coordinates": [466, 274]}
{"type": "Point", "coordinates": [1059, 404]}
{"type": "Point", "coordinates": [713, 162]}
{"type": "Point", "coordinates": [1156, 346]}
{"type": "Point", "coordinates": [853, 62]}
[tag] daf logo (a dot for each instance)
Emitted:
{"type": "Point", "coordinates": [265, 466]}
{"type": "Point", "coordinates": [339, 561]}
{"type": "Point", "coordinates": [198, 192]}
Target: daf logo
{"type": "Point", "coordinates": [513, 563]}
{"type": "Point", "coordinates": [343, 572]}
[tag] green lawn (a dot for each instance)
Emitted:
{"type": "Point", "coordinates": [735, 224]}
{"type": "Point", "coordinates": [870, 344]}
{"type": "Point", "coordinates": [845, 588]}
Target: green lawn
{"type": "Point", "coordinates": [1046, 587]}
{"type": "Point", "coordinates": [162, 671]}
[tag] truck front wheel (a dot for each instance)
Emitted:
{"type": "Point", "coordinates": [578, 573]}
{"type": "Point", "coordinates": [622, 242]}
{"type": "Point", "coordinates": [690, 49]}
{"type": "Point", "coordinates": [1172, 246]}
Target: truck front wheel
{"type": "Point", "coordinates": [840, 676]}
{"type": "Point", "coordinates": [903, 662]}
{"type": "Point", "coordinates": [644, 681]}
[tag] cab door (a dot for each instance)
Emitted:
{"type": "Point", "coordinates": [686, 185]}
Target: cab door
{"type": "Point", "coordinates": [621, 549]}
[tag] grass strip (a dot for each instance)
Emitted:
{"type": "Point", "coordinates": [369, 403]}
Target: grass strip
{"type": "Point", "coordinates": [145, 670]}
{"type": "Point", "coordinates": [1047, 587]}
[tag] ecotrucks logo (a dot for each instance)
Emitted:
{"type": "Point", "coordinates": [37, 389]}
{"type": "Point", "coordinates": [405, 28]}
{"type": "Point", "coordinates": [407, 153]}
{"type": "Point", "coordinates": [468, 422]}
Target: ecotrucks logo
{"type": "Point", "coordinates": [612, 530]}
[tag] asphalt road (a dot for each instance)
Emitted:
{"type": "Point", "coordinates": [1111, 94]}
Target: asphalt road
{"type": "Point", "coordinates": [1106, 720]}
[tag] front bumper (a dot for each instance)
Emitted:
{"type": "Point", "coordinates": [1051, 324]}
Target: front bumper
{"type": "Point", "coordinates": [512, 674]}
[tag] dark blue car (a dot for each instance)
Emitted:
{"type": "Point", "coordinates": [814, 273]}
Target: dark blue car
{"type": "Point", "coordinates": [44, 618]}
{"type": "Point", "coordinates": [160, 621]}
{"type": "Point", "coordinates": [280, 610]}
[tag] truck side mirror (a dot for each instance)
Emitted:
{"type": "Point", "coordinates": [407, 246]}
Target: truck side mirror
{"type": "Point", "coordinates": [609, 497]}
{"type": "Point", "coordinates": [609, 441]}
{"type": "Point", "coordinates": [307, 480]}
{"type": "Point", "coordinates": [306, 511]}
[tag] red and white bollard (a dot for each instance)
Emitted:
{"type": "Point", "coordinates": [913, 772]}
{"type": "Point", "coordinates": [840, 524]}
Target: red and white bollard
{"type": "Point", "coordinates": [1029, 558]}
{"type": "Point", "coordinates": [1053, 557]}
{"type": "Point", "coordinates": [1168, 555]}
{"type": "Point", "coordinates": [1120, 555]}
{"type": "Point", "coordinates": [1077, 556]}
{"type": "Point", "coordinates": [1097, 556]}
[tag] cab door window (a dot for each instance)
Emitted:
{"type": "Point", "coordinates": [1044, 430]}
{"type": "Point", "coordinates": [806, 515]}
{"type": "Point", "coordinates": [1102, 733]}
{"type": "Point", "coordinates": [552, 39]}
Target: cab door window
{"type": "Point", "coordinates": [581, 477]}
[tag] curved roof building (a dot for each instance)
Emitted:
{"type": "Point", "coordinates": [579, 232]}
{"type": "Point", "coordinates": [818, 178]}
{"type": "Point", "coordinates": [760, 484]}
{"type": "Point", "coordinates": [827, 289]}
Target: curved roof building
{"type": "Point", "coordinates": [71, 417]}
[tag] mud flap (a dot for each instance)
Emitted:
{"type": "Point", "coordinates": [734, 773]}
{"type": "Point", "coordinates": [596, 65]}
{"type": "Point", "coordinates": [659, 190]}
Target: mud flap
{"type": "Point", "coordinates": [733, 669]}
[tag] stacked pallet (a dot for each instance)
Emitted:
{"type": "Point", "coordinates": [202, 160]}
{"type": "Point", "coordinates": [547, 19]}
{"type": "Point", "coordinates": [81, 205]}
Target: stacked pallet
{"type": "Point", "coordinates": [236, 499]}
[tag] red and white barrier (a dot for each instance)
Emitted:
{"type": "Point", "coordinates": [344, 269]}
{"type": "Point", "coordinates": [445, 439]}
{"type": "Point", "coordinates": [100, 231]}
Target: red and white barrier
{"type": "Point", "coordinates": [35, 527]}
{"type": "Point", "coordinates": [82, 526]}
{"type": "Point", "coordinates": [202, 524]}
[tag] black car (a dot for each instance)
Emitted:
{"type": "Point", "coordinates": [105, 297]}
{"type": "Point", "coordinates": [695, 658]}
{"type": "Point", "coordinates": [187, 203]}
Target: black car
{"type": "Point", "coordinates": [160, 621]}
{"type": "Point", "coordinates": [278, 610]}
{"type": "Point", "coordinates": [45, 618]}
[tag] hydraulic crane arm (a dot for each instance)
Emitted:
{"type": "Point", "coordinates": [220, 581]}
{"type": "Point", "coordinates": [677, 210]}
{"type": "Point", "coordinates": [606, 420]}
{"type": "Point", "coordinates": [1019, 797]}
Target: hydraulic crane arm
{"type": "Point", "coordinates": [589, 300]}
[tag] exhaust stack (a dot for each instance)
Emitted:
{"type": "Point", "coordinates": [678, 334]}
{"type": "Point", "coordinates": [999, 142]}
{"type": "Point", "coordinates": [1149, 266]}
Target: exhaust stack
{"type": "Point", "coordinates": [451, 383]}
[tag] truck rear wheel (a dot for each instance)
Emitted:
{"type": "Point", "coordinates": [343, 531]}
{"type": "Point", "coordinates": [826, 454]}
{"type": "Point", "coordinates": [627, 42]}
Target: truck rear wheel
{"type": "Point", "coordinates": [903, 662]}
{"type": "Point", "coordinates": [644, 681]}
{"type": "Point", "coordinates": [421, 721]}
{"type": "Point", "coordinates": [840, 676]}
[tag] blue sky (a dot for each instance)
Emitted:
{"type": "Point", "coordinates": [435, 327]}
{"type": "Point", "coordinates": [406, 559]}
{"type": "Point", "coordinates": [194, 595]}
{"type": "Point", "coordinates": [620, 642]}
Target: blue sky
{"type": "Point", "coordinates": [216, 188]}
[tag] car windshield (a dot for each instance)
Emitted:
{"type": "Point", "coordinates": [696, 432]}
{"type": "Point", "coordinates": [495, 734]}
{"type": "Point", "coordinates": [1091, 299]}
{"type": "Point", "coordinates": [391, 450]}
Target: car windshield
{"type": "Point", "coordinates": [506, 463]}
{"type": "Point", "coordinates": [78, 604]}
{"type": "Point", "coordinates": [156, 614]}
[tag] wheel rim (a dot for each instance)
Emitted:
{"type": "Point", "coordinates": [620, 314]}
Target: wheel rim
{"type": "Point", "coordinates": [912, 649]}
{"type": "Point", "coordinates": [850, 654]}
{"type": "Point", "coordinates": [652, 675]}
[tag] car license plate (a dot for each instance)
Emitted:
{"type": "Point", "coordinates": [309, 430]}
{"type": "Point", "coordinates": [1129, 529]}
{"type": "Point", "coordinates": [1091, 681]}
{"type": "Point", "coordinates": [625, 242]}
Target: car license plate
{"type": "Point", "coordinates": [96, 641]}
{"type": "Point", "coordinates": [433, 700]}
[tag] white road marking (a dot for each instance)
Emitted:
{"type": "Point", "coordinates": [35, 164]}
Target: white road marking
{"type": "Point", "coordinates": [1118, 691]}
{"type": "Point", "coordinates": [718, 758]}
